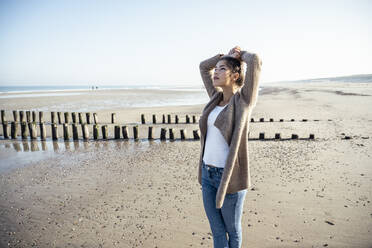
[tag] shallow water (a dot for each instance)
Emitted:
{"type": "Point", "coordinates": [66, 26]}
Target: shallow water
{"type": "Point", "coordinates": [19, 153]}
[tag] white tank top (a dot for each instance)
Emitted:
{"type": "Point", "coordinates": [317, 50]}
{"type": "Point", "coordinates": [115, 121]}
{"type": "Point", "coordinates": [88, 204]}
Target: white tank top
{"type": "Point", "coordinates": [216, 149]}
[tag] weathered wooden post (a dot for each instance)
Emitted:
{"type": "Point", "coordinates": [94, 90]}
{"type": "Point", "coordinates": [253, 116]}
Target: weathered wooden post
{"type": "Point", "coordinates": [176, 119]}
{"type": "Point", "coordinates": [85, 131]}
{"type": "Point", "coordinates": [193, 119]}
{"type": "Point", "coordinates": [5, 130]}
{"type": "Point", "coordinates": [311, 136]}
{"type": "Point", "coordinates": [154, 119]}
{"type": "Point", "coordinates": [24, 130]}
{"type": "Point", "coordinates": [271, 120]}
{"type": "Point", "coordinates": [252, 119]}
{"type": "Point", "coordinates": [113, 117]}
{"type": "Point", "coordinates": [262, 119]}
{"type": "Point", "coordinates": [54, 131]}
{"type": "Point", "coordinates": [171, 135]}
{"type": "Point", "coordinates": [135, 132]}
{"type": "Point", "coordinates": [150, 137]}
{"type": "Point", "coordinates": [294, 136]}
{"type": "Point", "coordinates": [66, 134]}
{"type": "Point", "coordinates": [104, 132]}
{"type": "Point", "coordinates": [262, 136]}
{"type": "Point", "coordinates": [67, 119]}
{"type": "Point", "coordinates": [52, 117]}
{"type": "Point", "coordinates": [87, 116]}
{"type": "Point", "coordinates": [95, 131]}
{"type": "Point", "coordinates": [21, 116]}
{"type": "Point", "coordinates": [277, 136]}
{"type": "Point", "coordinates": [80, 118]}
{"type": "Point", "coordinates": [73, 117]}
{"type": "Point", "coordinates": [143, 121]}
{"type": "Point", "coordinates": [196, 134]}
{"type": "Point", "coordinates": [95, 118]}
{"type": "Point", "coordinates": [3, 116]}
{"type": "Point", "coordinates": [169, 119]}
{"type": "Point", "coordinates": [59, 117]}
{"type": "Point", "coordinates": [163, 133]}
{"type": "Point", "coordinates": [117, 132]}
{"type": "Point", "coordinates": [187, 119]}
{"type": "Point", "coordinates": [41, 117]}
{"type": "Point", "coordinates": [163, 119]}
{"type": "Point", "coordinates": [14, 130]}
{"type": "Point", "coordinates": [33, 131]}
{"type": "Point", "coordinates": [183, 134]}
{"type": "Point", "coordinates": [15, 115]}
{"type": "Point", "coordinates": [28, 116]}
{"type": "Point", "coordinates": [33, 116]}
{"type": "Point", "coordinates": [42, 131]}
{"type": "Point", "coordinates": [124, 129]}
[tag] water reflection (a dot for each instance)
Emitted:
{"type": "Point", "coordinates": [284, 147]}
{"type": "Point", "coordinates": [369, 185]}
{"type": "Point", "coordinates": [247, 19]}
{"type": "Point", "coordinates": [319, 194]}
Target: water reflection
{"type": "Point", "coordinates": [19, 153]}
{"type": "Point", "coordinates": [61, 146]}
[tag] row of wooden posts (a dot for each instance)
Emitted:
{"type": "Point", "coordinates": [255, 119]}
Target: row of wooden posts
{"type": "Point", "coordinates": [56, 117]}
{"type": "Point", "coordinates": [119, 132]}
{"type": "Point", "coordinates": [30, 116]}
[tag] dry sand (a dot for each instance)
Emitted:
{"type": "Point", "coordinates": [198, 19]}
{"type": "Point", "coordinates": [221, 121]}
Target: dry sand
{"type": "Point", "coordinates": [145, 194]}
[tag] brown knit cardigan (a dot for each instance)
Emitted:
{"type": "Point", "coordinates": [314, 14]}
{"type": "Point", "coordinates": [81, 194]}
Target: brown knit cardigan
{"type": "Point", "coordinates": [233, 122]}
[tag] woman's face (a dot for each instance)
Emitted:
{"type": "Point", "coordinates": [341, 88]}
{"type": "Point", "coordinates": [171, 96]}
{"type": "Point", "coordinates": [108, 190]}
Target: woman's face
{"type": "Point", "coordinates": [222, 75]}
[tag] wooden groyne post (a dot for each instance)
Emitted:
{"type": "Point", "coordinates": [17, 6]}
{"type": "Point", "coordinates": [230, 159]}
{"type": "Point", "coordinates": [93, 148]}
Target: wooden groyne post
{"type": "Point", "coordinates": [66, 134]}
{"type": "Point", "coordinates": [113, 118]}
{"type": "Point", "coordinates": [163, 133]}
{"type": "Point", "coordinates": [15, 115]}
{"type": "Point", "coordinates": [104, 131]}
{"type": "Point", "coordinates": [150, 133]}
{"type": "Point", "coordinates": [117, 132]}
{"type": "Point", "coordinates": [196, 134]}
{"type": "Point", "coordinates": [95, 118]}
{"type": "Point", "coordinates": [125, 132]}
{"type": "Point", "coordinates": [87, 116]}
{"type": "Point", "coordinates": [183, 134]}
{"type": "Point", "coordinates": [135, 132]}
{"type": "Point", "coordinates": [54, 131]}
{"type": "Point", "coordinates": [53, 117]}
{"type": "Point", "coordinates": [42, 131]}
{"type": "Point", "coordinates": [95, 131]}
{"type": "Point", "coordinates": [75, 133]}
{"type": "Point", "coordinates": [14, 130]}
{"type": "Point", "coordinates": [85, 131]}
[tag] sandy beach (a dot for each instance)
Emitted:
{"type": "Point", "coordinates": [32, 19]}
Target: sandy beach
{"type": "Point", "coordinates": [116, 193]}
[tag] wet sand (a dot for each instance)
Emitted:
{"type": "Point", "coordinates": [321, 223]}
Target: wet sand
{"type": "Point", "coordinates": [145, 194]}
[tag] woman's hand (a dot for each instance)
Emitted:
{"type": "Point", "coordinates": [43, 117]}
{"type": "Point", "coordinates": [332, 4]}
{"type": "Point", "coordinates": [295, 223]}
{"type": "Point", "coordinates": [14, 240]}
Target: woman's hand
{"type": "Point", "coordinates": [235, 52]}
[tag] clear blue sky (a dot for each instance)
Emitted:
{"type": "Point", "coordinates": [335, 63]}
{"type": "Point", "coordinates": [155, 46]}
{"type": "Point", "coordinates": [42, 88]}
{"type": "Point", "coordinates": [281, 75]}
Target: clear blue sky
{"type": "Point", "coordinates": [162, 42]}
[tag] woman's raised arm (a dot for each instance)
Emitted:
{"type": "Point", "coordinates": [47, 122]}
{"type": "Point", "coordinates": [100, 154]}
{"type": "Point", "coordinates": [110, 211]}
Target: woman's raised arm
{"type": "Point", "coordinates": [206, 67]}
{"type": "Point", "coordinates": [249, 91]}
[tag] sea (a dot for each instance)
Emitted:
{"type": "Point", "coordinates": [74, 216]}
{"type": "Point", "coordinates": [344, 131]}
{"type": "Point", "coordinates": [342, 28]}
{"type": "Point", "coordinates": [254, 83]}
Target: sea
{"type": "Point", "coordinates": [172, 96]}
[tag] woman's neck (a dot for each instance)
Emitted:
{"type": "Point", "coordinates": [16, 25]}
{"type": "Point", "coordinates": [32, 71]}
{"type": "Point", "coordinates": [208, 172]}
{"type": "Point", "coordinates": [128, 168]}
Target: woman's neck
{"type": "Point", "coordinates": [228, 92]}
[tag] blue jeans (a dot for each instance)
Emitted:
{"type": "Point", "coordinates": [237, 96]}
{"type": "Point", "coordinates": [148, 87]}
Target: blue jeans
{"type": "Point", "coordinates": [228, 218]}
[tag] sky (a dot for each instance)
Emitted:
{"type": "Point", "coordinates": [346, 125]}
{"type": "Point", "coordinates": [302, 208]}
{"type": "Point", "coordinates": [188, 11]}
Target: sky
{"type": "Point", "coordinates": [92, 42]}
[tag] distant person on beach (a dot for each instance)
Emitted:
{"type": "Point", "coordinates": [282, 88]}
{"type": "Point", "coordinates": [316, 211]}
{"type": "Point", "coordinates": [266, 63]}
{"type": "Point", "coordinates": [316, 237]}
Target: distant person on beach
{"type": "Point", "coordinates": [224, 164]}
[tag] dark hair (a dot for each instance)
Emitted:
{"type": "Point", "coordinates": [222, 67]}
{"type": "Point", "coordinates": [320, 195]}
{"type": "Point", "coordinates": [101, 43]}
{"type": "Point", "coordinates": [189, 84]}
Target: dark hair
{"type": "Point", "coordinates": [235, 66]}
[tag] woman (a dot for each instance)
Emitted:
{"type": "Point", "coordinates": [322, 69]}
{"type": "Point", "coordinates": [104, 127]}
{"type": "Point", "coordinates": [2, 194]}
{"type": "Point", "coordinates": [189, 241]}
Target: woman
{"type": "Point", "coordinates": [224, 164]}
